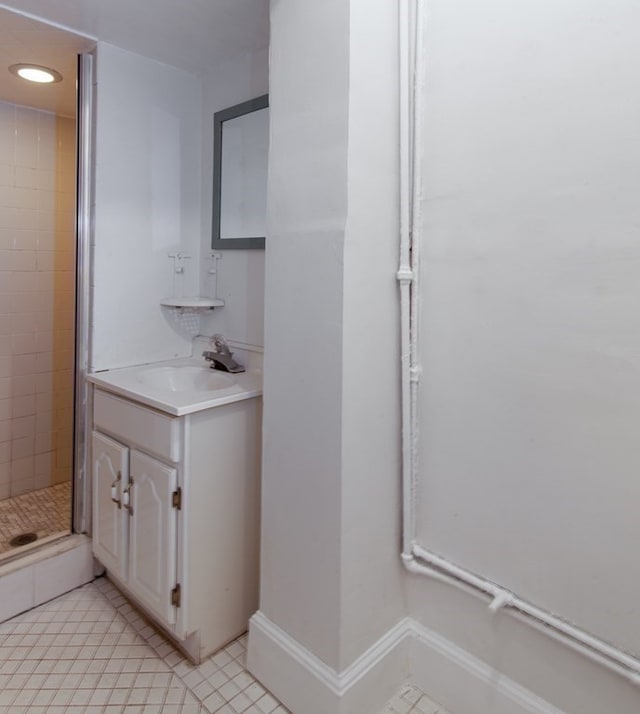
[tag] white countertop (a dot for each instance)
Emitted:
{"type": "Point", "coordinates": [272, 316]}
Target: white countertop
{"type": "Point", "coordinates": [126, 382]}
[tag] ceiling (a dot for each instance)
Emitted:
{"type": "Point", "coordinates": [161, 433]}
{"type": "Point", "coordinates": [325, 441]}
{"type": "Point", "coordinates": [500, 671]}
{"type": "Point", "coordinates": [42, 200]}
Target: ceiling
{"type": "Point", "coordinates": [24, 40]}
{"type": "Point", "coordinates": [191, 34]}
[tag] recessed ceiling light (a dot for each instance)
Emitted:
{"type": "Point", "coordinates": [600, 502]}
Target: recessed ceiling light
{"type": "Point", "coordinates": [36, 73]}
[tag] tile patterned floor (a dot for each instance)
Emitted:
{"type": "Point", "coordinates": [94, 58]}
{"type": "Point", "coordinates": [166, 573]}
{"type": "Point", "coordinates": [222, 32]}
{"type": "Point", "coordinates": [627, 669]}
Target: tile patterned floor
{"type": "Point", "coordinates": [410, 700]}
{"type": "Point", "coordinates": [46, 512]}
{"type": "Point", "coordinates": [91, 652]}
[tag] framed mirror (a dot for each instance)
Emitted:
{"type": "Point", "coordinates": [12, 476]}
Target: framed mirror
{"type": "Point", "coordinates": [240, 150]}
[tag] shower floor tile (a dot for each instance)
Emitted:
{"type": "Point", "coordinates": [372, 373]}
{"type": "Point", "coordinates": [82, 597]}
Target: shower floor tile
{"type": "Point", "coordinates": [89, 652]}
{"type": "Point", "coordinates": [46, 512]}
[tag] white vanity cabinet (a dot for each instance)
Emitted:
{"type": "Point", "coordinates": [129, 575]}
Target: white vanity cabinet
{"type": "Point", "coordinates": [110, 525]}
{"type": "Point", "coordinates": [176, 514]}
{"type": "Point", "coordinates": [135, 523]}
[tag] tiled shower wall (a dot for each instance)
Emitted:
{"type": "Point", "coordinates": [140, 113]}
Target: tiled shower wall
{"type": "Point", "coordinates": [37, 283]}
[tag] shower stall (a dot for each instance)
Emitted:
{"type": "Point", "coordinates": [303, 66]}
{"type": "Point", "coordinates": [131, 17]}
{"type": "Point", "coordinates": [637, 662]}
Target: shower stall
{"type": "Point", "coordinates": [38, 296]}
{"type": "Point", "coordinates": [37, 321]}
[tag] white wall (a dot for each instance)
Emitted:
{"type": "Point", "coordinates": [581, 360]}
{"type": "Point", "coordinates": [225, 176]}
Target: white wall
{"type": "Point", "coordinates": [330, 571]}
{"type": "Point", "coordinates": [302, 421]}
{"type": "Point", "coordinates": [528, 349]}
{"type": "Point", "coordinates": [240, 272]}
{"type": "Point", "coordinates": [147, 204]}
{"type": "Point", "coordinates": [372, 596]}
{"type": "Point", "coordinates": [530, 332]}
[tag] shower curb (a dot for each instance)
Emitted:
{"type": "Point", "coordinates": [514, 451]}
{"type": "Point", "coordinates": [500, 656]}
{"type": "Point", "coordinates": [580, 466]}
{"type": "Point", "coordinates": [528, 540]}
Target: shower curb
{"type": "Point", "coordinates": [43, 574]}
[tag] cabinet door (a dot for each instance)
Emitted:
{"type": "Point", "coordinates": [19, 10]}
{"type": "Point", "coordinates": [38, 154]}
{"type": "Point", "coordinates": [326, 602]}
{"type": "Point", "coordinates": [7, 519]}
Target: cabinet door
{"type": "Point", "coordinates": [152, 534]}
{"type": "Point", "coordinates": [110, 520]}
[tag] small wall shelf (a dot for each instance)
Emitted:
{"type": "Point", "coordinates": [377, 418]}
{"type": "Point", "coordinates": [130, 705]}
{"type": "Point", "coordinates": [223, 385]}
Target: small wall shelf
{"type": "Point", "coordinates": [202, 302]}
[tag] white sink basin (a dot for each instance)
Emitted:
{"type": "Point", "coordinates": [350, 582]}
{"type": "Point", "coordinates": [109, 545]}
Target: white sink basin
{"type": "Point", "coordinates": [185, 379]}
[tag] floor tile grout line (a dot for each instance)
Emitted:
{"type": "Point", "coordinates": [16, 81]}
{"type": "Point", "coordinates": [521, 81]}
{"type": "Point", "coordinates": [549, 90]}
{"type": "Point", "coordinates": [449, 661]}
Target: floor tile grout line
{"type": "Point", "coordinates": [122, 663]}
{"type": "Point", "coordinates": [183, 660]}
{"type": "Point", "coordinates": [24, 513]}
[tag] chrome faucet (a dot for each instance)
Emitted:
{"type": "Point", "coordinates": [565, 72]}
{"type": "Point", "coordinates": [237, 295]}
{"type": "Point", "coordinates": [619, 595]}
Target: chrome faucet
{"type": "Point", "coordinates": [221, 356]}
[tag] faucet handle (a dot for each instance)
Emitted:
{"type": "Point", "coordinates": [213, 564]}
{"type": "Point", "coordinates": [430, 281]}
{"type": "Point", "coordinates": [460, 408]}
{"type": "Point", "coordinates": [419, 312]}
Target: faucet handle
{"type": "Point", "coordinates": [220, 344]}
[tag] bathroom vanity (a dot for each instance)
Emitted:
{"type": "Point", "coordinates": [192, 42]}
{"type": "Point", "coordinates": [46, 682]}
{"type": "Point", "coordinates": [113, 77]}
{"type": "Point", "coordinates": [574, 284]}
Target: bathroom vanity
{"type": "Point", "coordinates": [176, 466]}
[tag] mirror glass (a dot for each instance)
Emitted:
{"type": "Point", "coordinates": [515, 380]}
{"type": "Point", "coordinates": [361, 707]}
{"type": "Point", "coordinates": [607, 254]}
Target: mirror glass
{"type": "Point", "coordinates": [241, 142]}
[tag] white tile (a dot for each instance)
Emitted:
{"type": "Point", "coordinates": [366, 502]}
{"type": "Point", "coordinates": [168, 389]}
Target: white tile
{"type": "Point", "coordinates": [23, 385]}
{"type": "Point", "coordinates": [44, 361]}
{"type": "Point", "coordinates": [24, 343]}
{"type": "Point", "coordinates": [44, 422]}
{"type": "Point", "coordinates": [23, 305]}
{"type": "Point", "coordinates": [22, 447]}
{"type": "Point", "coordinates": [23, 364]}
{"type": "Point", "coordinates": [45, 260]}
{"type": "Point", "coordinates": [58, 575]}
{"type": "Point", "coordinates": [6, 321]}
{"type": "Point", "coordinates": [7, 175]}
{"type": "Point", "coordinates": [26, 149]}
{"type": "Point", "coordinates": [5, 367]}
{"type": "Point", "coordinates": [24, 219]}
{"type": "Point", "coordinates": [24, 239]}
{"type": "Point", "coordinates": [23, 406]}
{"type": "Point", "coordinates": [46, 155]}
{"type": "Point", "coordinates": [213, 702]}
{"type": "Point", "coordinates": [46, 239]}
{"type": "Point", "coordinates": [22, 468]}
{"type": "Point", "coordinates": [45, 200]}
{"type": "Point", "coordinates": [44, 400]}
{"type": "Point", "coordinates": [267, 703]}
{"type": "Point", "coordinates": [42, 382]}
{"type": "Point", "coordinates": [44, 462]}
{"type": "Point", "coordinates": [80, 654]}
{"type": "Point", "coordinates": [7, 143]}
{"type": "Point", "coordinates": [43, 442]}
{"type": "Point", "coordinates": [16, 592]}
{"type": "Point", "coordinates": [23, 260]}
{"type": "Point", "coordinates": [232, 669]}
{"type": "Point", "coordinates": [48, 220]}
{"type": "Point", "coordinates": [5, 404]}
{"type": "Point", "coordinates": [26, 177]}
{"type": "Point", "coordinates": [8, 217]}
{"type": "Point", "coordinates": [22, 485]}
{"type": "Point", "coordinates": [410, 693]}
{"type": "Point", "coordinates": [23, 197]}
{"type": "Point", "coordinates": [27, 120]}
{"type": "Point", "coordinates": [426, 706]}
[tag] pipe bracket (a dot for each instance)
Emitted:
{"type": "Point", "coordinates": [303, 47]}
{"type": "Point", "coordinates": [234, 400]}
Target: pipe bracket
{"type": "Point", "coordinates": [501, 599]}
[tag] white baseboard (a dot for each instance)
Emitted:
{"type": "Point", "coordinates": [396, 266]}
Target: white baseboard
{"type": "Point", "coordinates": [465, 684]}
{"type": "Point", "coordinates": [407, 652]}
{"type": "Point", "coordinates": [306, 685]}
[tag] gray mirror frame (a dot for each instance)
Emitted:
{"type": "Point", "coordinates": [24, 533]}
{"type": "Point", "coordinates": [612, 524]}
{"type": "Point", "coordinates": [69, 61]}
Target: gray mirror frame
{"type": "Point", "coordinates": [219, 118]}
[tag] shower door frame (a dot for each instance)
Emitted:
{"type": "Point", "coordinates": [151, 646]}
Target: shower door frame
{"type": "Point", "coordinates": [81, 510]}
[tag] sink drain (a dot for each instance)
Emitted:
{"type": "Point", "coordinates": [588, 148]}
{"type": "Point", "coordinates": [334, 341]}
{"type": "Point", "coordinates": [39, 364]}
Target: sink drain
{"type": "Point", "coordinates": [23, 539]}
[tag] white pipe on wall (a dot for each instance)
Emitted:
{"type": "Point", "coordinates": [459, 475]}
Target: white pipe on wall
{"type": "Point", "coordinates": [405, 276]}
{"type": "Point", "coordinates": [588, 645]}
{"type": "Point", "coordinates": [415, 558]}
